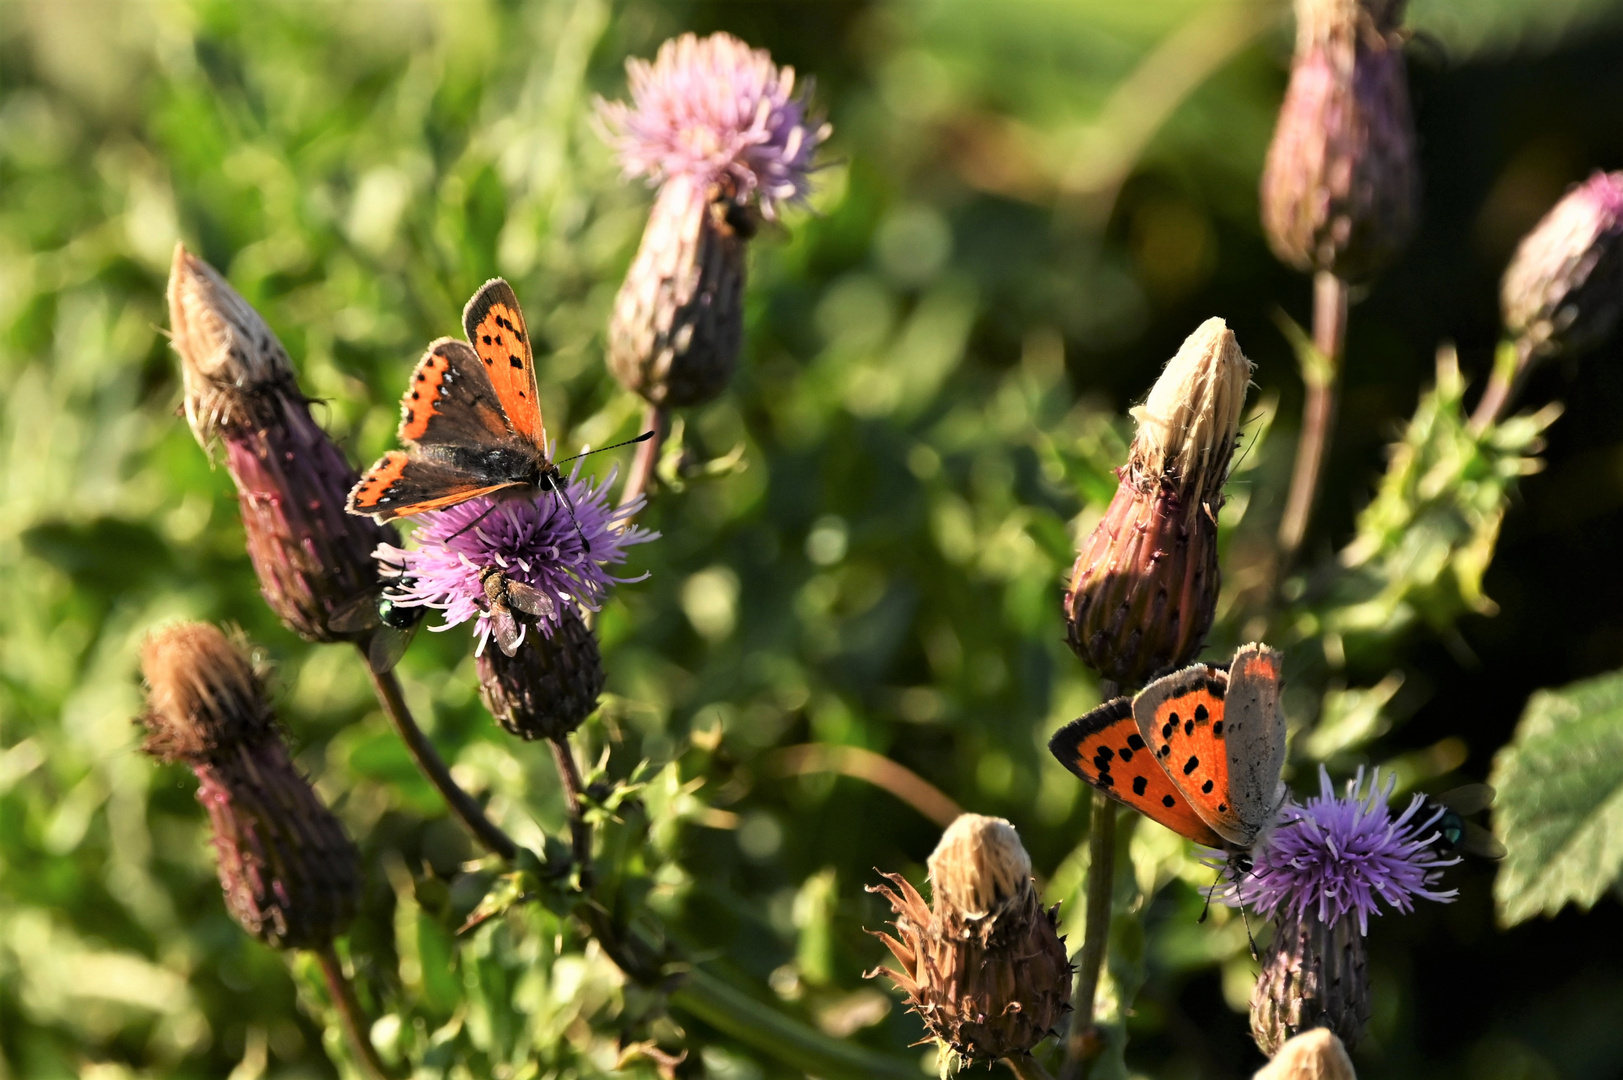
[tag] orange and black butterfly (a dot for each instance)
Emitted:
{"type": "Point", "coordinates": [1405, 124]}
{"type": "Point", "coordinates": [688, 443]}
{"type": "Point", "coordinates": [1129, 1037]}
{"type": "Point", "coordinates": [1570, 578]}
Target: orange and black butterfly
{"type": "Point", "coordinates": [470, 420]}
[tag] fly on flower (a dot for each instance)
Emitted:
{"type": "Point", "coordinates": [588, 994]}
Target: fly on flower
{"type": "Point", "coordinates": [390, 623]}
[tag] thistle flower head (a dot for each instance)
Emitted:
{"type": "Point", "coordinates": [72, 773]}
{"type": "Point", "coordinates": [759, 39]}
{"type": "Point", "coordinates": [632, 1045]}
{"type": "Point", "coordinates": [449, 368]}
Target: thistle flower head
{"type": "Point", "coordinates": [536, 542]}
{"type": "Point", "coordinates": [1315, 1054]}
{"type": "Point", "coordinates": [1336, 857]}
{"type": "Point", "coordinates": [717, 112]}
{"type": "Point", "coordinates": [1314, 975]}
{"type": "Point", "coordinates": [982, 964]}
{"type": "Point", "coordinates": [1564, 287]}
{"type": "Point", "coordinates": [205, 697]}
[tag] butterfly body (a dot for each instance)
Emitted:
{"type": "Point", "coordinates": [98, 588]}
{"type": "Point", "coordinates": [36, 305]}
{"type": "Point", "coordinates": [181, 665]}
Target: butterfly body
{"type": "Point", "coordinates": [470, 420]}
{"type": "Point", "coordinates": [1199, 750]}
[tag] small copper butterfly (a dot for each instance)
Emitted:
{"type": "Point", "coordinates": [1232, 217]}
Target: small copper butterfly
{"type": "Point", "coordinates": [470, 420]}
{"type": "Point", "coordinates": [1199, 750]}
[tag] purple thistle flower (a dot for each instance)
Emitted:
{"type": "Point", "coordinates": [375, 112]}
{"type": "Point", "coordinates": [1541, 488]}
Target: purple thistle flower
{"type": "Point", "coordinates": [532, 541]}
{"type": "Point", "coordinates": [715, 111]}
{"type": "Point", "coordinates": [1337, 856]}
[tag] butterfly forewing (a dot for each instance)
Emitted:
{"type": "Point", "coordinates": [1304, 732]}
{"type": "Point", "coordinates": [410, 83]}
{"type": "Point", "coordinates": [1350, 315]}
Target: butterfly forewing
{"type": "Point", "coordinates": [495, 327]}
{"type": "Point", "coordinates": [1182, 718]}
{"type": "Point", "coordinates": [452, 402]}
{"type": "Point", "coordinates": [1106, 749]}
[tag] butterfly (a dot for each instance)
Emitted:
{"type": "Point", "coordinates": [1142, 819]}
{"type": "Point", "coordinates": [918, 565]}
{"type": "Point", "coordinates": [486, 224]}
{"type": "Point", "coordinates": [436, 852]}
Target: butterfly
{"type": "Point", "coordinates": [470, 420]}
{"type": "Point", "coordinates": [502, 596]}
{"type": "Point", "coordinates": [1199, 750]}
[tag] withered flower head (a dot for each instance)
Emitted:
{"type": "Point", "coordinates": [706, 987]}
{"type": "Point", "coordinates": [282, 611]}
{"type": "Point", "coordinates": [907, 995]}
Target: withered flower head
{"type": "Point", "coordinates": [549, 687]}
{"type": "Point", "coordinates": [313, 559]}
{"type": "Point", "coordinates": [290, 875]}
{"type": "Point", "coordinates": [1314, 975]}
{"type": "Point", "coordinates": [983, 964]}
{"type": "Point", "coordinates": [1340, 189]}
{"type": "Point", "coordinates": [1144, 586]}
{"type": "Point", "coordinates": [1563, 289]}
{"type": "Point", "coordinates": [1312, 1055]}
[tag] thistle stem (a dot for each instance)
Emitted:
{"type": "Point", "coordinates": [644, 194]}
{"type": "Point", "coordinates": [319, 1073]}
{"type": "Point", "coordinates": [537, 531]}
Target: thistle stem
{"type": "Point", "coordinates": [1322, 376]}
{"type": "Point", "coordinates": [433, 766]}
{"type": "Point", "coordinates": [1504, 385]}
{"type": "Point", "coordinates": [350, 1015]}
{"type": "Point", "coordinates": [657, 420]}
{"type": "Point", "coordinates": [580, 832]}
{"type": "Point", "coordinates": [1081, 1041]}
{"type": "Point", "coordinates": [1027, 1067]}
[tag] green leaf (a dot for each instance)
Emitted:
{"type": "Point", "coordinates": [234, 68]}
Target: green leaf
{"type": "Point", "coordinates": [1560, 805]}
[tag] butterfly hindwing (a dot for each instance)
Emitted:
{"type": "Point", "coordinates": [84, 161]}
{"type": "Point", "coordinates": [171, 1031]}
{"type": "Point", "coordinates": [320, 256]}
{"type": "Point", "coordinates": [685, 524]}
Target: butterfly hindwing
{"type": "Point", "coordinates": [400, 484]}
{"type": "Point", "coordinates": [1256, 735]}
{"type": "Point", "coordinates": [1182, 718]}
{"type": "Point", "coordinates": [495, 326]}
{"type": "Point", "coordinates": [1106, 749]}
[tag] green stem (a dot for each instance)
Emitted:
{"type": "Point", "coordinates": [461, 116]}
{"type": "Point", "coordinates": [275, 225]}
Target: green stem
{"type": "Point", "coordinates": [580, 832]}
{"type": "Point", "coordinates": [1511, 365]}
{"type": "Point", "coordinates": [643, 465]}
{"type": "Point", "coordinates": [350, 1016]}
{"type": "Point", "coordinates": [1081, 1042]}
{"type": "Point", "coordinates": [434, 768]}
{"type": "Point", "coordinates": [765, 1029]}
{"type": "Point", "coordinates": [1322, 377]}
{"type": "Point", "coordinates": [1027, 1067]}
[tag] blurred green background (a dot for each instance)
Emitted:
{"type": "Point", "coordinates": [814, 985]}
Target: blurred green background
{"type": "Point", "coordinates": [1027, 205]}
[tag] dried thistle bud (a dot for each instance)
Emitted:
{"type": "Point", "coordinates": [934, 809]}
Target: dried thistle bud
{"type": "Point", "coordinates": [313, 559]}
{"type": "Point", "coordinates": [1563, 290]}
{"type": "Point", "coordinates": [1144, 586]}
{"type": "Point", "coordinates": [1312, 1055]}
{"type": "Point", "coordinates": [289, 873]}
{"type": "Point", "coordinates": [547, 688]}
{"type": "Point", "coordinates": [1314, 975]}
{"type": "Point", "coordinates": [983, 964]}
{"type": "Point", "coordinates": [1340, 189]}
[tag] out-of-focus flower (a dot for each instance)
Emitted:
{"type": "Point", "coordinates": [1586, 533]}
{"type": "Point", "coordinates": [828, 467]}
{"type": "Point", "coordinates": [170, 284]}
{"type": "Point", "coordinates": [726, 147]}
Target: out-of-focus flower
{"type": "Point", "coordinates": [724, 134]}
{"type": "Point", "coordinates": [1314, 975]}
{"type": "Point", "coordinates": [1563, 290]}
{"type": "Point", "coordinates": [313, 559]}
{"type": "Point", "coordinates": [983, 964]}
{"type": "Point", "coordinates": [1339, 858]}
{"type": "Point", "coordinates": [561, 551]}
{"type": "Point", "coordinates": [1144, 586]}
{"type": "Point", "coordinates": [289, 873]}
{"type": "Point", "coordinates": [1340, 189]}
{"type": "Point", "coordinates": [1312, 1055]}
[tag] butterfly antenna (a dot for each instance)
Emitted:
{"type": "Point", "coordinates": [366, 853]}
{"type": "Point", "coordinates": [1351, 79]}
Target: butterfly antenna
{"type": "Point", "coordinates": [644, 437]}
{"type": "Point", "coordinates": [562, 490]}
{"type": "Point", "coordinates": [1207, 908]}
{"type": "Point", "coordinates": [472, 523]}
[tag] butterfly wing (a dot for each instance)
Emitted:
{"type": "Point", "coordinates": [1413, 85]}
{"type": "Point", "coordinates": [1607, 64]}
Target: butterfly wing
{"type": "Point", "coordinates": [1106, 749]}
{"type": "Point", "coordinates": [1255, 735]}
{"type": "Point", "coordinates": [495, 326]}
{"type": "Point", "coordinates": [451, 402]}
{"type": "Point", "coordinates": [400, 485]}
{"type": "Point", "coordinates": [1181, 717]}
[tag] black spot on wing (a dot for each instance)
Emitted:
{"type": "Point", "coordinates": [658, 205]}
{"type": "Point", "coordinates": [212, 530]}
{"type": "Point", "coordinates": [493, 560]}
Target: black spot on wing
{"type": "Point", "coordinates": [1135, 742]}
{"type": "Point", "coordinates": [1168, 801]}
{"type": "Point", "coordinates": [1139, 784]}
{"type": "Point", "coordinates": [1201, 714]}
{"type": "Point", "coordinates": [1191, 765]}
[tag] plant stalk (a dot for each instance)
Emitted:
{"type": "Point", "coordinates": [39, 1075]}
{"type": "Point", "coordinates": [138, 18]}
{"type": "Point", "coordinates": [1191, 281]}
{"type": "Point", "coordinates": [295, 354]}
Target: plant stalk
{"type": "Point", "coordinates": [350, 1016]}
{"type": "Point", "coordinates": [433, 766]}
{"type": "Point", "coordinates": [1322, 376]}
{"type": "Point", "coordinates": [1510, 371]}
{"type": "Point", "coordinates": [580, 832]}
{"type": "Point", "coordinates": [1027, 1067]}
{"type": "Point", "coordinates": [1081, 1041]}
{"type": "Point", "coordinates": [657, 420]}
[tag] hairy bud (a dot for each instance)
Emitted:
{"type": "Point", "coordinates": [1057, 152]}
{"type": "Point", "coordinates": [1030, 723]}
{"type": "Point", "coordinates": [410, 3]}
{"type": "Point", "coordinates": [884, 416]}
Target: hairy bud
{"type": "Point", "coordinates": [983, 964]}
{"type": "Point", "coordinates": [313, 559]}
{"type": "Point", "coordinates": [1312, 1055]}
{"type": "Point", "coordinates": [1563, 290]}
{"type": "Point", "coordinates": [1340, 189]}
{"type": "Point", "coordinates": [1314, 975]}
{"type": "Point", "coordinates": [289, 873]}
{"type": "Point", "coordinates": [1144, 586]}
{"type": "Point", "coordinates": [547, 688]}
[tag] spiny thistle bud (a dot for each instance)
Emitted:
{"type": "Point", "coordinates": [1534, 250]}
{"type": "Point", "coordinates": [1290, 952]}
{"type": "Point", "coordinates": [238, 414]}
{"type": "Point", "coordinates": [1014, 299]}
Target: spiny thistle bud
{"type": "Point", "coordinates": [290, 875]}
{"type": "Point", "coordinates": [722, 130]}
{"type": "Point", "coordinates": [983, 964]}
{"type": "Point", "coordinates": [1312, 1055]}
{"type": "Point", "coordinates": [1314, 974]}
{"type": "Point", "coordinates": [1564, 288]}
{"type": "Point", "coordinates": [1340, 189]}
{"type": "Point", "coordinates": [1144, 587]}
{"type": "Point", "coordinates": [549, 687]}
{"type": "Point", "coordinates": [313, 559]}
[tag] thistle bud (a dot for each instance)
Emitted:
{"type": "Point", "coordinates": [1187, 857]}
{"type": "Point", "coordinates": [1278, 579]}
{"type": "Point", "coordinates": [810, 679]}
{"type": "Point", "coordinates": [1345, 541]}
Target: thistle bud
{"type": "Point", "coordinates": [1563, 289]}
{"type": "Point", "coordinates": [1340, 189]}
{"type": "Point", "coordinates": [1312, 1055]}
{"type": "Point", "coordinates": [1144, 587]}
{"type": "Point", "coordinates": [547, 688]}
{"type": "Point", "coordinates": [313, 559]}
{"type": "Point", "coordinates": [1314, 975]}
{"type": "Point", "coordinates": [289, 873]}
{"type": "Point", "coordinates": [983, 964]}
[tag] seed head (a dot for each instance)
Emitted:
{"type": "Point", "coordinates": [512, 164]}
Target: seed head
{"type": "Point", "coordinates": [313, 559]}
{"type": "Point", "coordinates": [1340, 189]}
{"type": "Point", "coordinates": [983, 965]}
{"type": "Point", "coordinates": [289, 873]}
{"type": "Point", "coordinates": [548, 688]}
{"type": "Point", "coordinates": [1144, 586]}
